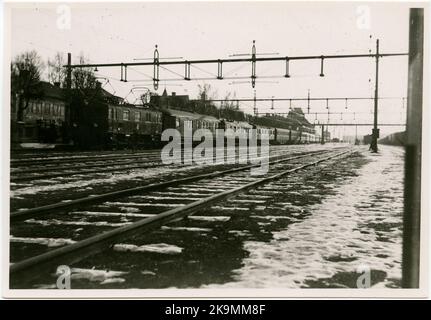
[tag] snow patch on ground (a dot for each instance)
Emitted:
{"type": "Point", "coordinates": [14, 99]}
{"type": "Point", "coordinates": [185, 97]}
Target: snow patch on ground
{"type": "Point", "coordinates": [156, 248]}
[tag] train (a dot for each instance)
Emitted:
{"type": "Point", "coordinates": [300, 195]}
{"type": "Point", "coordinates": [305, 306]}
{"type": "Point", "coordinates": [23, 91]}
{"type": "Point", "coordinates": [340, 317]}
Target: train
{"type": "Point", "coordinates": [141, 125]}
{"type": "Point", "coordinates": [394, 139]}
{"type": "Point", "coordinates": [112, 123]}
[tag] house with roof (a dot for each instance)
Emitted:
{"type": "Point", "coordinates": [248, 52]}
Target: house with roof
{"type": "Point", "coordinates": [44, 112]}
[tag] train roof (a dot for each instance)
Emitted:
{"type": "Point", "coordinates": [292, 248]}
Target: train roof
{"type": "Point", "coordinates": [243, 124]}
{"type": "Point", "coordinates": [134, 107]}
{"type": "Point", "coordinates": [190, 115]}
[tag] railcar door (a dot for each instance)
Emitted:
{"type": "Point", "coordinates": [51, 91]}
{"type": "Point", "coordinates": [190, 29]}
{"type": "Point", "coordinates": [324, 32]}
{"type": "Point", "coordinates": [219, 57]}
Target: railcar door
{"type": "Point", "coordinates": [168, 122]}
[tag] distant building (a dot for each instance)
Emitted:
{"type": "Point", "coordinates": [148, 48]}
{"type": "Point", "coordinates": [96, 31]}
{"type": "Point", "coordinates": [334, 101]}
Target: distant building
{"type": "Point", "coordinates": [41, 116]}
{"type": "Point", "coordinates": [170, 101]}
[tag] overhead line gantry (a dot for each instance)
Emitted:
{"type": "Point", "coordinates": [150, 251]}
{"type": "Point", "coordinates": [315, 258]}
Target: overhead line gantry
{"type": "Point", "coordinates": [253, 58]}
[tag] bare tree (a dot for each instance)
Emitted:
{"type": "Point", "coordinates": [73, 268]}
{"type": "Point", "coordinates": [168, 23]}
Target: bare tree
{"type": "Point", "coordinates": [56, 71]}
{"type": "Point", "coordinates": [228, 101]}
{"type": "Point", "coordinates": [26, 70]}
{"type": "Point", "coordinates": [84, 81]}
{"type": "Point", "coordinates": [206, 93]}
{"type": "Point", "coordinates": [146, 97]}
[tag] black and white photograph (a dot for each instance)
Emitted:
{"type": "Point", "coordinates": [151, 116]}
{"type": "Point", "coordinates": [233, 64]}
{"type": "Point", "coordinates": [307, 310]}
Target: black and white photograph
{"type": "Point", "coordinates": [215, 149]}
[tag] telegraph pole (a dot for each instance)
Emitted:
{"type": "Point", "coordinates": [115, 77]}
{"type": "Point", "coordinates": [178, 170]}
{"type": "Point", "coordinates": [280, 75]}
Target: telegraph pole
{"type": "Point", "coordinates": [254, 105]}
{"type": "Point", "coordinates": [375, 132]}
{"type": "Point", "coordinates": [68, 112]}
{"type": "Point", "coordinates": [413, 154]}
{"type": "Point", "coordinates": [322, 139]}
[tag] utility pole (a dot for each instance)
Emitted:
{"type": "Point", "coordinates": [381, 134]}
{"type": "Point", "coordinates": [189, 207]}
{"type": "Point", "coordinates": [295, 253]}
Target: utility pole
{"type": "Point", "coordinates": [375, 132]}
{"type": "Point", "coordinates": [322, 139]}
{"type": "Point", "coordinates": [68, 113]}
{"type": "Point", "coordinates": [356, 135]}
{"type": "Point", "coordinates": [254, 105]}
{"type": "Point", "coordinates": [413, 153]}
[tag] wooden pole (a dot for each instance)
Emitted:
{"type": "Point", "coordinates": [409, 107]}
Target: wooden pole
{"type": "Point", "coordinates": [67, 113]}
{"type": "Point", "coordinates": [412, 189]}
{"type": "Point", "coordinates": [375, 132]}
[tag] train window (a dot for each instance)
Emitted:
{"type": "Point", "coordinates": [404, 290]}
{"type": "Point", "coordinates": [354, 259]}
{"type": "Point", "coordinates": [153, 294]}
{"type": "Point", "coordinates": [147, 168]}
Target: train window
{"type": "Point", "coordinates": [148, 117]}
{"type": "Point", "coordinates": [126, 115]}
{"type": "Point", "coordinates": [137, 116]}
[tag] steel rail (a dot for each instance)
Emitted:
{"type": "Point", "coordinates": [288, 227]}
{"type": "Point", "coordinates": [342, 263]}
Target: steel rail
{"type": "Point", "coordinates": [64, 174]}
{"type": "Point", "coordinates": [30, 213]}
{"type": "Point", "coordinates": [53, 160]}
{"type": "Point", "coordinates": [78, 251]}
{"type": "Point", "coordinates": [77, 159]}
{"type": "Point", "coordinates": [72, 166]}
{"type": "Point", "coordinates": [75, 166]}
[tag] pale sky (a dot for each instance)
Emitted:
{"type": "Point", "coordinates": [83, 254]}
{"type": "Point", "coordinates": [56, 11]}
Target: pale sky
{"type": "Point", "coordinates": [125, 31]}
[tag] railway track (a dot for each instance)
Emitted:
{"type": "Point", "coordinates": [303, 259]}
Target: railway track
{"type": "Point", "coordinates": [76, 232]}
{"type": "Point", "coordinates": [58, 159]}
{"type": "Point", "coordinates": [104, 165]}
{"type": "Point", "coordinates": [26, 162]}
